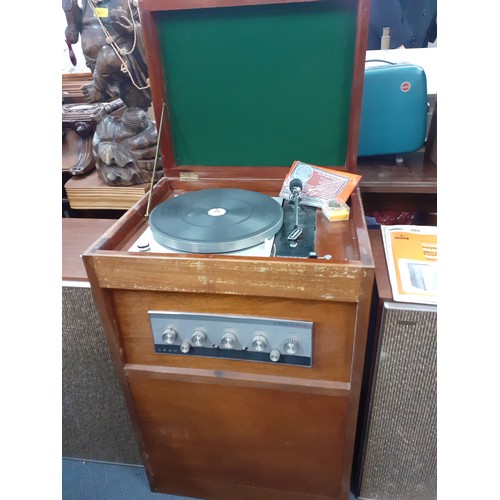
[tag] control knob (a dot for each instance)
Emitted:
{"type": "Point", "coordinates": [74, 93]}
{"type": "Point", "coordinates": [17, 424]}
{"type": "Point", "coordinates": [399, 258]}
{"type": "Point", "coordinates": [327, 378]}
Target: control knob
{"type": "Point", "coordinates": [291, 346]}
{"type": "Point", "coordinates": [185, 347]}
{"type": "Point", "coordinates": [259, 342]}
{"type": "Point", "coordinates": [169, 336]}
{"type": "Point", "coordinates": [228, 340]}
{"type": "Point", "coordinates": [198, 338]}
{"type": "Point", "coordinates": [274, 355]}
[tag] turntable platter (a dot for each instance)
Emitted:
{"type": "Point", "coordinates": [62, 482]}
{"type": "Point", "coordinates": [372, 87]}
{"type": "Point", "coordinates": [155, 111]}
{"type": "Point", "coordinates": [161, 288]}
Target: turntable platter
{"type": "Point", "coordinates": [216, 220]}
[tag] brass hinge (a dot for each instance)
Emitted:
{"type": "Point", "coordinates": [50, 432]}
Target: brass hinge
{"type": "Point", "coordinates": [188, 176]}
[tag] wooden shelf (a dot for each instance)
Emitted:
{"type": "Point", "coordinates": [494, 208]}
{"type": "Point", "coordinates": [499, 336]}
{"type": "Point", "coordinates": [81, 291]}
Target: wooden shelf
{"type": "Point", "coordinates": [89, 192]}
{"type": "Point", "coordinates": [407, 186]}
{"type": "Point", "coordinates": [417, 174]}
{"type": "Point", "coordinates": [72, 86]}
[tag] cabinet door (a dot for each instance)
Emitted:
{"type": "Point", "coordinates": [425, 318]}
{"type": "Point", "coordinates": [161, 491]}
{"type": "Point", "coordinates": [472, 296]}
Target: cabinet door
{"type": "Point", "coordinates": [212, 440]}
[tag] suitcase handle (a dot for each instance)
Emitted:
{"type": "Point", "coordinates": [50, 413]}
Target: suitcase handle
{"type": "Point", "coordinates": [379, 60]}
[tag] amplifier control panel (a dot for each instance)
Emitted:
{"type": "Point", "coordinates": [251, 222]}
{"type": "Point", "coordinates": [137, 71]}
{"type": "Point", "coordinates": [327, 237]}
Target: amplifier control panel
{"type": "Point", "coordinates": [247, 338]}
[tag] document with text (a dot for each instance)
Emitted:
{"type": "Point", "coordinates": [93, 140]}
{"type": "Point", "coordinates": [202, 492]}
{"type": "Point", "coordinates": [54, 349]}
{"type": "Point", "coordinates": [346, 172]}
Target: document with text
{"type": "Point", "coordinates": [411, 254]}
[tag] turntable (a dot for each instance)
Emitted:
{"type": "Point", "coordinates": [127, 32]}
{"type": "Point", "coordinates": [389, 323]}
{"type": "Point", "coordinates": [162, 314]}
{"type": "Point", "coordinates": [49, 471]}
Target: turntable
{"type": "Point", "coordinates": [214, 221]}
{"type": "Point", "coordinates": [236, 320]}
{"type": "Point", "coordinates": [231, 222]}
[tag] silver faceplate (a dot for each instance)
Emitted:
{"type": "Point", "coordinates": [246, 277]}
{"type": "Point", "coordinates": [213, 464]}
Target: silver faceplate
{"type": "Point", "coordinates": [277, 333]}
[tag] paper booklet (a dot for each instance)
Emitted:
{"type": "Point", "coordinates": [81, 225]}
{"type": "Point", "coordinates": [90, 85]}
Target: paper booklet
{"type": "Point", "coordinates": [320, 184]}
{"type": "Point", "coordinates": [411, 254]}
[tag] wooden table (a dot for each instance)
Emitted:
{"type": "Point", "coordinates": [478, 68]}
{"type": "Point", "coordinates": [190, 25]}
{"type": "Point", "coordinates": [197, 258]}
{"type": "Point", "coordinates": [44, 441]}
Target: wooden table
{"type": "Point", "coordinates": [77, 235]}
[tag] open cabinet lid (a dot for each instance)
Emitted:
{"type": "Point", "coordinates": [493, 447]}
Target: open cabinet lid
{"type": "Point", "coordinates": [256, 83]}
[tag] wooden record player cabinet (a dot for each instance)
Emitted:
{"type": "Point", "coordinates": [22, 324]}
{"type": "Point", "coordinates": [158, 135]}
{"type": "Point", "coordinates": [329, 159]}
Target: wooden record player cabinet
{"type": "Point", "coordinates": [216, 428]}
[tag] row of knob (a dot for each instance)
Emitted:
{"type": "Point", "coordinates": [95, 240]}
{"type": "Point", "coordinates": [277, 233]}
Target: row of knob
{"type": "Point", "coordinates": [228, 341]}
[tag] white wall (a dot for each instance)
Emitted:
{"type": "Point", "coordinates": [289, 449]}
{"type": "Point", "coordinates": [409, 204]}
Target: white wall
{"type": "Point", "coordinates": [67, 67]}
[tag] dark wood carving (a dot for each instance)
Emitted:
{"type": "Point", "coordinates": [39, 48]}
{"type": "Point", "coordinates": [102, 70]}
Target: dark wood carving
{"type": "Point", "coordinates": [80, 118]}
{"type": "Point", "coordinates": [123, 147]}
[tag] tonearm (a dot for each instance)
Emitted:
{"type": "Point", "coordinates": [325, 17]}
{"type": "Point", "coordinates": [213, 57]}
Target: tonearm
{"type": "Point", "coordinates": [295, 187]}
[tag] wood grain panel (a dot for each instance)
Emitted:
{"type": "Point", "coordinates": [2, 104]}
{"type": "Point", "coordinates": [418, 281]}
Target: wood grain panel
{"type": "Point", "coordinates": [333, 331]}
{"type": "Point", "coordinates": [235, 439]}
{"type": "Point", "coordinates": [224, 275]}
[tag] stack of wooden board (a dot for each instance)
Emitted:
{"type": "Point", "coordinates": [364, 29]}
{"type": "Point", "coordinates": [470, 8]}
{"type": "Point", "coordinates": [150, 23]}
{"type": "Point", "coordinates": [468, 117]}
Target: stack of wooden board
{"type": "Point", "coordinates": [90, 192]}
{"type": "Point", "coordinates": [72, 86]}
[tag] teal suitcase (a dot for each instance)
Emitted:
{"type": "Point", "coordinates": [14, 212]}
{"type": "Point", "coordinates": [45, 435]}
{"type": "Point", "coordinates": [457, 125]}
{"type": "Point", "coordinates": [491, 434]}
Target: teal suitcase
{"type": "Point", "coordinates": [394, 109]}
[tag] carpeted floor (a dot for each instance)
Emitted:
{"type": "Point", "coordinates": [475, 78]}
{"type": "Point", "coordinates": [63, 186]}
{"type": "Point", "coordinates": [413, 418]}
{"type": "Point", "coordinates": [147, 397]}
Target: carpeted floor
{"type": "Point", "coordinates": [87, 480]}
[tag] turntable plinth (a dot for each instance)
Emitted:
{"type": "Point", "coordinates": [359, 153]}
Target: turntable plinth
{"type": "Point", "coordinates": [225, 428]}
{"type": "Point", "coordinates": [248, 87]}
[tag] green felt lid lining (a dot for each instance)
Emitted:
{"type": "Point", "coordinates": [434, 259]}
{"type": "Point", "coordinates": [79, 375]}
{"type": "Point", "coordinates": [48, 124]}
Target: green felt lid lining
{"type": "Point", "coordinates": [259, 85]}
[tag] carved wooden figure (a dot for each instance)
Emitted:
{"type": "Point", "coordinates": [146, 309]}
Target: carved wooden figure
{"type": "Point", "coordinates": [111, 41]}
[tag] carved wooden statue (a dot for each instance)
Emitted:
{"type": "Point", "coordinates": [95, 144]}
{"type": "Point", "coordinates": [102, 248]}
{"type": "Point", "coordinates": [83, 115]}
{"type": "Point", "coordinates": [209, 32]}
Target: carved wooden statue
{"type": "Point", "coordinates": [125, 147]}
{"type": "Point", "coordinates": [111, 38]}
